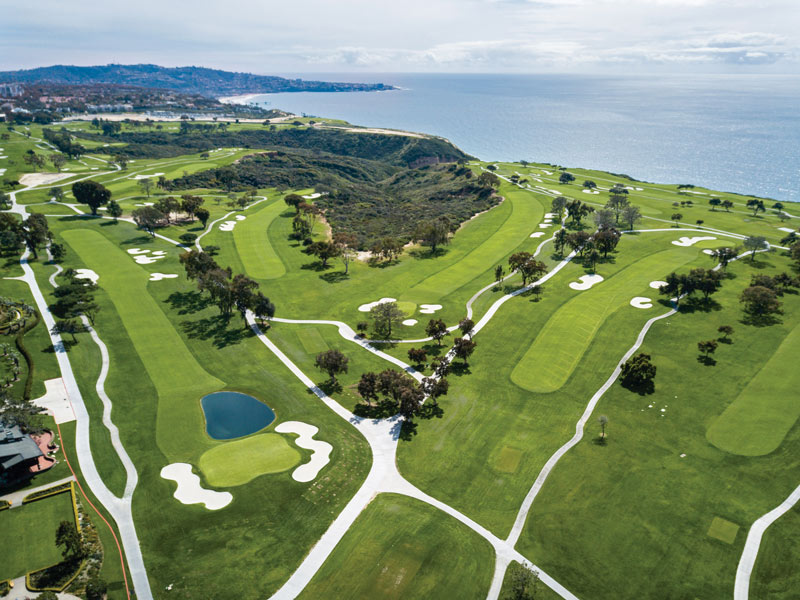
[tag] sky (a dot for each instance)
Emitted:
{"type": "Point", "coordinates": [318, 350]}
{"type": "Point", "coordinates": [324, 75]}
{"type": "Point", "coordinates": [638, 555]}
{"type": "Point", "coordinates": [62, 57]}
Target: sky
{"type": "Point", "coordinates": [319, 36]}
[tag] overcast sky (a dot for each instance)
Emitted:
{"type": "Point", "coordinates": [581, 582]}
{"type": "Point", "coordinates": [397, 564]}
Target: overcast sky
{"type": "Point", "coordinates": [295, 36]}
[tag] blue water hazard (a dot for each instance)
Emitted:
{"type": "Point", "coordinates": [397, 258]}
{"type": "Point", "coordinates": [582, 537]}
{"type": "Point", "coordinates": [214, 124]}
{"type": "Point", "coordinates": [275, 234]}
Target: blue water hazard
{"type": "Point", "coordinates": [231, 415]}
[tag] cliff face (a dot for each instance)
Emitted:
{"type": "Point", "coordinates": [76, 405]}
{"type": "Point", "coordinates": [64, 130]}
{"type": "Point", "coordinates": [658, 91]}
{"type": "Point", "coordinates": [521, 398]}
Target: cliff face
{"type": "Point", "coordinates": [198, 80]}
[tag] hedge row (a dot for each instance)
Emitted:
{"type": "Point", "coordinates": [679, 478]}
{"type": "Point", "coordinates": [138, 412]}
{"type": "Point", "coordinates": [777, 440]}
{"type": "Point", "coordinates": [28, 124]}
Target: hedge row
{"type": "Point", "coordinates": [26, 393]}
{"type": "Point", "coordinates": [59, 489]}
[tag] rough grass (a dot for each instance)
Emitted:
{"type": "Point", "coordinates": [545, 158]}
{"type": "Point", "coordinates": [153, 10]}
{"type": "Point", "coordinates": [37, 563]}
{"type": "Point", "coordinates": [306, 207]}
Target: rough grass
{"type": "Point", "coordinates": [238, 462]}
{"type": "Point", "coordinates": [401, 548]}
{"type": "Point", "coordinates": [766, 409]}
{"type": "Point", "coordinates": [29, 532]}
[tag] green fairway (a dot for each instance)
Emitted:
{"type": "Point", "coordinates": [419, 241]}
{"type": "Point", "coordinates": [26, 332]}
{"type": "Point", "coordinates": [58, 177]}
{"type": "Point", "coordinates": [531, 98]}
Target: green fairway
{"type": "Point", "coordinates": [184, 382]}
{"type": "Point", "coordinates": [29, 532]}
{"type": "Point", "coordinates": [253, 245]}
{"type": "Point", "coordinates": [757, 421]}
{"type": "Point", "coordinates": [311, 340]}
{"type": "Point", "coordinates": [235, 463]}
{"type": "Point", "coordinates": [401, 548]}
{"type": "Point", "coordinates": [553, 356]}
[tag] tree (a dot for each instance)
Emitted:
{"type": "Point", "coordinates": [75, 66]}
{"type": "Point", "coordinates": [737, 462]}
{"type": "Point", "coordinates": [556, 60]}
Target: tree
{"type": "Point", "coordinates": [676, 217]}
{"type": "Point", "coordinates": [755, 243]}
{"type": "Point", "coordinates": [523, 582]}
{"type": "Point", "coordinates": [190, 204]}
{"type": "Point", "coordinates": [114, 209]}
{"type": "Point", "coordinates": [565, 178]}
{"type": "Point", "coordinates": [463, 348]}
{"type": "Point", "coordinates": [436, 329]}
{"type": "Point", "coordinates": [756, 205]}
{"type": "Point", "coordinates": [35, 233]}
{"type": "Point", "coordinates": [589, 184]}
{"type": "Point", "coordinates": [578, 210]}
{"type": "Point", "coordinates": [91, 193]}
{"type": "Point", "coordinates": [617, 203]}
{"type": "Point", "coordinates": [148, 218]}
{"type": "Point", "coordinates": [760, 302]}
{"type": "Point", "coordinates": [147, 185]}
{"type": "Point", "coordinates": [58, 161]}
{"type": "Point", "coordinates": [188, 238]}
{"type": "Point", "coordinates": [603, 420]}
{"type": "Point", "coordinates": [707, 347]}
{"type": "Point", "coordinates": [560, 240]}
{"type": "Point", "coordinates": [434, 233]}
{"type": "Point", "coordinates": [726, 331]}
{"type": "Point", "coordinates": [638, 373]}
{"type": "Point", "coordinates": [242, 290]}
{"type": "Point", "coordinates": [499, 273]}
{"type": "Point", "coordinates": [577, 240]}
{"type": "Point", "coordinates": [466, 326]}
{"type": "Point", "coordinates": [435, 388]}
{"type": "Point", "coordinates": [96, 588]}
{"type": "Point", "coordinates": [70, 326]}
{"type": "Point", "coordinates": [417, 356]}
{"type": "Point", "coordinates": [36, 161]}
{"type": "Point", "coordinates": [631, 215]}
{"type": "Point", "coordinates": [606, 240]}
{"type": "Point", "coordinates": [47, 595]}
{"type": "Point", "coordinates": [57, 252]}
{"type": "Point", "coordinates": [714, 202]}
{"type": "Point", "coordinates": [385, 315]}
{"type": "Point", "coordinates": [724, 256]}
{"type": "Point", "coordinates": [727, 205]}
{"type": "Point", "coordinates": [168, 206]}
{"type": "Point", "coordinates": [558, 204]}
{"type": "Point", "coordinates": [68, 536]}
{"type": "Point", "coordinates": [262, 307]}
{"type": "Point", "coordinates": [605, 218]}
{"type": "Point", "coordinates": [332, 362]}
{"type": "Point", "coordinates": [202, 214]}
{"type": "Point", "coordinates": [346, 244]}
{"type": "Point", "coordinates": [368, 387]}
{"type": "Point", "coordinates": [324, 251]}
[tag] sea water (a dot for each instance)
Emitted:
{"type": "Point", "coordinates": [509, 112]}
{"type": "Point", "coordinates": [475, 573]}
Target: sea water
{"type": "Point", "coordinates": [731, 133]}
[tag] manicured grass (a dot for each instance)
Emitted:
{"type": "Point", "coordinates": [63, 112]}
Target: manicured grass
{"type": "Point", "coordinates": [237, 462]}
{"type": "Point", "coordinates": [559, 347]}
{"type": "Point", "coordinates": [254, 247]}
{"type": "Point", "coordinates": [311, 339]}
{"type": "Point", "coordinates": [157, 343]}
{"type": "Point", "coordinates": [766, 409]}
{"type": "Point", "coordinates": [401, 548]}
{"type": "Point", "coordinates": [30, 531]}
{"type": "Point", "coordinates": [775, 574]}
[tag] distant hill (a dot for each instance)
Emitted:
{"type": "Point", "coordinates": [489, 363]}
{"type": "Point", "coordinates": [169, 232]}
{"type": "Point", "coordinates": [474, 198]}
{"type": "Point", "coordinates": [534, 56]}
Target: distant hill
{"type": "Point", "coordinates": [197, 80]}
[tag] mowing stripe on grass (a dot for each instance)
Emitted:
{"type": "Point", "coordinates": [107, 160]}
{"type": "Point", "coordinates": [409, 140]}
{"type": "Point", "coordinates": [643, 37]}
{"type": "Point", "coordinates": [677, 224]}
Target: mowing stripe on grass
{"type": "Point", "coordinates": [312, 340]}
{"type": "Point", "coordinates": [566, 336]}
{"type": "Point", "coordinates": [763, 413]}
{"type": "Point", "coordinates": [178, 377]}
{"type": "Point", "coordinates": [252, 243]}
{"type": "Point", "coordinates": [480, 252]}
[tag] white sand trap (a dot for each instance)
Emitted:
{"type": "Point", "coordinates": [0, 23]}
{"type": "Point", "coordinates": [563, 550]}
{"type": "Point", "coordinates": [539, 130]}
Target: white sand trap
{"type": "Point", "coordinates": [3, 156]}
{"type": "Point", "coordinates": [87, 274]}
{"type": "Point", "coordinates": [189, 490]}
{"type": "Point", "coordinates": [641, 302]}
{"type": "Point", "coordinates": [138, 251]}
{"type": "Point", "coordinates": [537, 234]}
{"type": "Point", "coordinates": [321, 450]}
{"type": "Point", "coordinates": [146, 260]}
{"type": "Point", "coordinates": [590, 191]}
{"type": "Point", "coordinates": [95, 169]}
{"type": "Point", "coordinates": [159, 253]}
{"type": "Point", "coordinates": [691, 241]}
{"type": "Point", "coordinates": [547, 172]}
{"type": "Point", "coordinates": [2, 171]}
{"type": "Point", "coordinates": [31, 179]}
{"type": "Point", "coordinates": [787, 230]}
{"type": "Point", "coordinates": [227, 226]}
{"type": "Point", "coordinates": [639, 189]}
{"type": "Point", "coordinates": [102, 208]}
{"type": "Point", "coordinates": [240, 217]}
{"type": "Point", "coordinates": [708, 251]}
{"type": "Point", "coordinates": [585, 282]}
{"type": "Point", "coordinates": [313, 196]}
{"type": "Point", "coordinates": [656, 285]}
{"type": "Point", "coordinates": [550, 216]}
{"type": "Point", "coordinates": [145, 204]}
{"type": "Point", "coordinates": [537, 179]}
{"type": "Point", "coordinates": [545, 225]}
{"type": "Point", "coordinates": [368, 307]}
{"type": "Point", "coordinates": [410, 322]}
{"type": "Point", "coordinates": [160, 276]}
{"type": "Point", "coordinates": [147, 176]}
{"type": "Point", "coordinates": [55, 401]}
{"type": "Point", "coordinates": [429, 309]}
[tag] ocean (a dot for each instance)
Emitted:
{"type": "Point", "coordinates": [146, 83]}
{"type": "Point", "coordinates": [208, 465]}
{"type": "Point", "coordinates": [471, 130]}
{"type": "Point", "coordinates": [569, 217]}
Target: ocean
{"type": "Point", "coordinates": [731, 133]}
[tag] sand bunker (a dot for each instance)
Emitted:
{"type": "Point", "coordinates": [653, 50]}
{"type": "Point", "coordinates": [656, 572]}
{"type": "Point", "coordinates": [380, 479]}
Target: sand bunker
{"type": "Point", "coordinates": [55, 401]}
{"type": "Point", "coordinates": [32, 179]}
{"type": "Point", "coordinates": [537, 234]}
{"type": "Point", "coordinates": [691, 241]}
{"type": "Point", "coordinates": [429, 309]}
{"type": "Point", "coordinates": [410, 322]}
{"type": "Point", "coordinates": [160, 276]}
{"type": "Point", "coordinates": [227, 225]}
{"type": "Point", "coordinates": [2, 171]}
{"type": "Point", "coordinates": [140, 256]}
{"type": "Point", "coordinates": [313, 196]}
{"type": "Point", "coordinates": [321, 451]}
{"type": "Point", "coordinates": [709, 252]}
{"type": "Point", "coordinates": [368, 307]}
{"type": "Point", "coordinates": [147, 176]}
{"type": "Point", "coordinates": [787, 230]}
{"type": "Point", "coordinates": [145, 204]}
{"type": "Point", "coordinates": [590, 191]}
{"type": "Point", "coordinates": [585, 282]}
{"type": "Point", "coordinates": [545, 225]}
{"type": "Point", "coordinates": [656, 285]}
{"type": "Point", "coordinates": [189, 490]}
{"type": "Point", "coordinates": [240, 217]}
{"type": "Point", "coordinates": [550, 216]}
{"type": "Point", "coordinates": [641, 302]}
{"type": "Point", "coordinates": [138, 251]}
{"type": "Point", "coordinates": [87, 274]}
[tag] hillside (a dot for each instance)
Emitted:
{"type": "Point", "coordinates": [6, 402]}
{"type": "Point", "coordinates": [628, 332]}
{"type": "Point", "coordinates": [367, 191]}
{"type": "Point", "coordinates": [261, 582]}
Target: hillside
{"type": "Point", "coordinates": [197, 80]}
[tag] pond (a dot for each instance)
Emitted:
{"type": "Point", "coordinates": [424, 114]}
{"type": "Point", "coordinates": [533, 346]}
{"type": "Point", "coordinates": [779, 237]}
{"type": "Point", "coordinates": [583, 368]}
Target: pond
{"type": "Point", "coordinates": [231, 415]}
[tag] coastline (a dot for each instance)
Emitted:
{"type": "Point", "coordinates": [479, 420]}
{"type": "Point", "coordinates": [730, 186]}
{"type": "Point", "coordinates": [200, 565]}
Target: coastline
{"type": "Point", "coordinates": [240, 99]}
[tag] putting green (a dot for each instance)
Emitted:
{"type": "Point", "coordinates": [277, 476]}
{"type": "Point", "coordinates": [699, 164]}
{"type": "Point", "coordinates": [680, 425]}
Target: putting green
{"type": "Point", "coordinates": [759, 418]}
{"type": "Point", "coordinates": [252, 243]}
{"type": "Point", "coordinates": [178, 377]}
{"type": "Point", "coordinates": [236, 463]}
{"type": "Point", "coordinates": [564, 339]}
